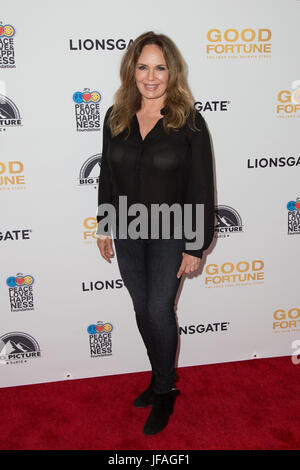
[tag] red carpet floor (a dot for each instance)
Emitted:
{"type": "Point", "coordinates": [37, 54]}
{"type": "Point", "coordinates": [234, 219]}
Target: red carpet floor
{"type": "Point", "coordinates": [238, 405]}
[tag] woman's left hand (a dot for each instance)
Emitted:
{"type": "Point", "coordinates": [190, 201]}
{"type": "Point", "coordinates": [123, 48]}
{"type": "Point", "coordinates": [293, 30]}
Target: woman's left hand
{"type": "Point", "coordinates": [189, 264]}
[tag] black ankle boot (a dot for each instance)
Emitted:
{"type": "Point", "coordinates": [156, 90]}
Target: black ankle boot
{"type": "Point", "coordinates": [162, 408]}
{"type": "Point", "coordinates": [145, 398]}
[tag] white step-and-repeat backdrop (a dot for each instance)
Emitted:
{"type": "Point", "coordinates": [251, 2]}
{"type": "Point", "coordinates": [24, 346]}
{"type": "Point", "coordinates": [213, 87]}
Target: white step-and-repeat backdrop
{"type": "Point", "coordinates": [65, 313]}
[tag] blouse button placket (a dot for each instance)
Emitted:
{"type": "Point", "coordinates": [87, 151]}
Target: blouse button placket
{"type": "Point", "coordinates": [138, 168]}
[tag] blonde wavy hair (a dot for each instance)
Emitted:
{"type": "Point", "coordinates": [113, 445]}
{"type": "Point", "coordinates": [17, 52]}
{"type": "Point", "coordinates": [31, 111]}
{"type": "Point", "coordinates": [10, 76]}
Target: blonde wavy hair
{"type": "Point", "coordinates": [179, 102]}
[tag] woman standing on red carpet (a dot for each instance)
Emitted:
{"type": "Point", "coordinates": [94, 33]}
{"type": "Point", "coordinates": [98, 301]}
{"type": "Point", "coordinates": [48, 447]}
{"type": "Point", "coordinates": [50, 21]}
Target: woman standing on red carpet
{"type": "Point", "coordinates": [156, 150]}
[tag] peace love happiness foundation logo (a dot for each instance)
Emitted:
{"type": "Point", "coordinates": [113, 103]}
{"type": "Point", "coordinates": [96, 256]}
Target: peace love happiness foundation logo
{"type": "Point", "coordinates": [87, 110]}
{"type": "Point", "coordinates": [100, 339]}
{"type": "Point", "coordinates": [20, 292]}
{"type": "Point", "coordinates": [293, 208]}
{"type": "Point", "coordinates": [7, 51]}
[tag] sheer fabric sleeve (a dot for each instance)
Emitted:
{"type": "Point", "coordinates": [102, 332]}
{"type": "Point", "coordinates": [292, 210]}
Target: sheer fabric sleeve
{"type": "Point", "coordinates": [200, 185]}
{"type": "Point", "coordinates": [105, 185]}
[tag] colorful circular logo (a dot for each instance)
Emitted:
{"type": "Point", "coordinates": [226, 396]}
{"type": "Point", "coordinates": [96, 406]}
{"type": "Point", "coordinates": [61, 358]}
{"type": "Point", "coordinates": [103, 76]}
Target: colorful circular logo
{"type": "Point", "coordinates": [8, 30]}
{"type": "Point", "coordinates": [19, 280]}
{"type": "Point", "coordinates": [86, 97]}
{"type": "Point", "coordinates": [291, 205]}
{"type": "Point", "coordinates": [100, 328]}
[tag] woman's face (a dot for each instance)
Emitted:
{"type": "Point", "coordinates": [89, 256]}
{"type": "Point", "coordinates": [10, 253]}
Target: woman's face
{"type": "Point", "coordinates": [151, 72]}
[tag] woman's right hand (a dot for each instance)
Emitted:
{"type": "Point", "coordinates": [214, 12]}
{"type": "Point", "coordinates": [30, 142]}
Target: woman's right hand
{"type": "Point", "coordinates": [105, 246]}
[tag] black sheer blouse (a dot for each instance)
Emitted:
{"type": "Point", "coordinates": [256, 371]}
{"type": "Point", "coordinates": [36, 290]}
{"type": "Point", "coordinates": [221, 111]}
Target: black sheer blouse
{"type": "Point", "coordinates": [162, 168]}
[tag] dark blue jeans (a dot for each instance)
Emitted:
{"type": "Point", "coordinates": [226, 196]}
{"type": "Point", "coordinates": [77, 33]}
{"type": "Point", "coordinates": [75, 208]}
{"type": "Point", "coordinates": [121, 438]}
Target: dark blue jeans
{"type": "Point", "coordinates": [148, 268]}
